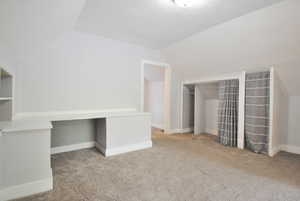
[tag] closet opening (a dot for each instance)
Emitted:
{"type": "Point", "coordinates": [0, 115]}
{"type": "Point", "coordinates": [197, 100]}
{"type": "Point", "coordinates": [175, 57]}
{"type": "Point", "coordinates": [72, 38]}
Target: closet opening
{"type": "Point", "coordinates": [215, 108]}
{"type": "Point", "coordinates": [200, 108]}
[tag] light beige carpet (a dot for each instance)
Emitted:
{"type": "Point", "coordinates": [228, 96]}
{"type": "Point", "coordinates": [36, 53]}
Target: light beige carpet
{"type": "Point", "coordinates": [177, 168]}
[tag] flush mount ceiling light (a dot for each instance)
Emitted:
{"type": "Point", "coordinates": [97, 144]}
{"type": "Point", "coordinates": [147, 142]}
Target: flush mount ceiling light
{"type": "Point", "coordinates": [183, 3]}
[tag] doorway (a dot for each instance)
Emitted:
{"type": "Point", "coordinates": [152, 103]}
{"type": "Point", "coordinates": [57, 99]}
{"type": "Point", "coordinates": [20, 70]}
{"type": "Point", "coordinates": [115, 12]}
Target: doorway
{"type": "Point", "coordinates": [155, 93]}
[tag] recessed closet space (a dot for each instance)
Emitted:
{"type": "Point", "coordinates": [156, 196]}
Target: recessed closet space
{"type": "Point", "coordinates": [188, 111]}
{"type": "Point", "coordinates": [215, 107]}
{"type": "Point", "coordinates": [200, 108]}
{"type": "Point", "coordinates": [206, 108]}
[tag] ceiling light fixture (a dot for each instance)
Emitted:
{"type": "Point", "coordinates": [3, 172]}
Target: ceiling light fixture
{"type": "Point", "coordinates": [183, 3]}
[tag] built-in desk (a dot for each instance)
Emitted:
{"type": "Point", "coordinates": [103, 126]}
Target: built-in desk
{"type": "Point", "coordinates": [26, 145]}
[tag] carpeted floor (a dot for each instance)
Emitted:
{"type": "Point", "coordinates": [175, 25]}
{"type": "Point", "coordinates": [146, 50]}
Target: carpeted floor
{"type": "Point", "coordinates": [177, 168]}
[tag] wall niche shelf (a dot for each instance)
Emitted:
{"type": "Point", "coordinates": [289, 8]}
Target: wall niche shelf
{"type": "Point", "coordinates": [5, 98]}
{"type": "Point", "coordinates": [6, 95]}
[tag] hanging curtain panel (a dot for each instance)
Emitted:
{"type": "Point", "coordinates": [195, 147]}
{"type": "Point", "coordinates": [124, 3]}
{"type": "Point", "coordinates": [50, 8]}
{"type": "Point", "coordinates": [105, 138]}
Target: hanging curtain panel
{"type": "Point", "coordinates": [228, 112]}
{"type": "Point", "coordinates": [257, 111]}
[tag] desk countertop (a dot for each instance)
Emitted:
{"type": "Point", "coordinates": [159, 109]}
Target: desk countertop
{"type": "Point", "coordinates": [24, 125]}
{"type": "Point", "coordinates": [37, 121]}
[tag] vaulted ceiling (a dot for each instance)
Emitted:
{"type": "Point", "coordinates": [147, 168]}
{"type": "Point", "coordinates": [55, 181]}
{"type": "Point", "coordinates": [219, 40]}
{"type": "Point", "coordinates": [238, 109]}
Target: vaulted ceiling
{"type": "Point", "coordinates": [149, 23]}
{"type": "Point", "coordinates": [159, 23]}
{"type": "Point", "coordinates": [27, 23]}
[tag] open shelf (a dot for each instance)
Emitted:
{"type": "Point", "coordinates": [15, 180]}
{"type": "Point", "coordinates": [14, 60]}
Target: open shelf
{"type": "Point", "coordinates": [5, 98]}
{"type": "Point", "coordinates": [6, 95]}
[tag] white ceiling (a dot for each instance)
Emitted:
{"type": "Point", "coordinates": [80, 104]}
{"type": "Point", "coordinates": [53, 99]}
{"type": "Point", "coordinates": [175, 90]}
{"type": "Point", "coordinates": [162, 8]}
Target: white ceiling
{"type": "Point", "coordinates": [150, 23]}
{"type": "Point", "coordinates": [31, 22]}
{"type": "Point", "coordinates": [159, 23]}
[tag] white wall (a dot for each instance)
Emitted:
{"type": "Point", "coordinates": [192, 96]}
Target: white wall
{"type": "Point", "coordinates": [199, 114]}
{"type": "Point", "coordinates": [154, 102]}
{"type": "Point", "coordinates": [264, 38]}
{"type": "Point", "coordinates": [80, 71]}
{"type": "Point", "coordinates": [293, 137]}
{"type": "Point", "coordinates": [280, 115]}
{"type": "Point", "coordinates": [211, 116]}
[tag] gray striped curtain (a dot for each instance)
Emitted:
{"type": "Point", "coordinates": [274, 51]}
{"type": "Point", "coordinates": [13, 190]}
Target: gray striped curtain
{"type": "Point", "coordinates": [257, 111]}
{"type": "Point", "coordinates": [228, 112]}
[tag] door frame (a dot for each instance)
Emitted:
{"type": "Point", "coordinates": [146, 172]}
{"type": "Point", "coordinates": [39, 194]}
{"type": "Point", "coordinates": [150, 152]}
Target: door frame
{"type": "Point", "coordinates": [241, 76]}
{"type": "Point", "coordinates": [167, 91]}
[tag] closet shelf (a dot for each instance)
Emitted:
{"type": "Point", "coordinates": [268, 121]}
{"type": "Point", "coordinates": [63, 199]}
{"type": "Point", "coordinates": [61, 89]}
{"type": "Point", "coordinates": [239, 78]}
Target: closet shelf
{"type": "Point", "coordinates": [5, 98]}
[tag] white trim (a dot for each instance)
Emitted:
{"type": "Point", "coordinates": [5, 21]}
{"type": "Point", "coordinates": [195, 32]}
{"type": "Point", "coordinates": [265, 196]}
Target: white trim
{"type": "Point", "coordinates": [214, 78]}
{"type": "Point", "coordinates": [186, 130]}
{"type": "Point", "coordinates": [167, 90]}
{"type": "Point", "coordinates": [172, 131]}
{"type": "Point", "coordinates": [155, 63]}
{"type": "Point", "coordinates": [274, 151]}
{"type": "Point", "coordinates": [290, 148]}
{"type": "Point", "coordinates": [73, 114]}
{"type": "Point", "coordinates": [241, 117]}
{"type": "Point", "coordinates": [157, 126]}
{"type": "Point", "coordinates": [179, 131]}
{"type": "Point", "coordinates": [198, 114]}
{"type": "Point", "coordinates": [181, 106]}
{"type": "Point", "coordinates": [211, 131]}
{"type": "Point", "coordinates": [271, 108]}
{"type": "Point", "coordinates": [284, 147]}
{"type": "Point", "coordinates": [124, 149]}
{"type": "Point", "coordinates": [73, 147]}
{"type": "Point", "coordinates": [27, 189]}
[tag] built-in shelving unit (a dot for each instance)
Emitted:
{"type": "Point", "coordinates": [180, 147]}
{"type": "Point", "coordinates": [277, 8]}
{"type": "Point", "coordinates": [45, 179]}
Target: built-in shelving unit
{"type": "Point", "coordinates": [6, 95]}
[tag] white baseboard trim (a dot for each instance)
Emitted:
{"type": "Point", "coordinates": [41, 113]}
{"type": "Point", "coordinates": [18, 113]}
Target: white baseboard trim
{"type": "Point", "coordinates": [186, 130]}
{"type": "Point", "coordinates": [124, 149]}
{"type": "Point", "coordinates": [157, 126]}
{"type": "Point", "coordinates": [274, 151]}
{"type": "Point", "coordinates": [73, 147]}
{"type": "Point", "coordinates": [27, 189]}
{"type": "Point", "coordinates": [290, 148]}
{"type": "Point", "coordinates": [211, 131]}
{"type": "Point", "coordinates": [179, 131]}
